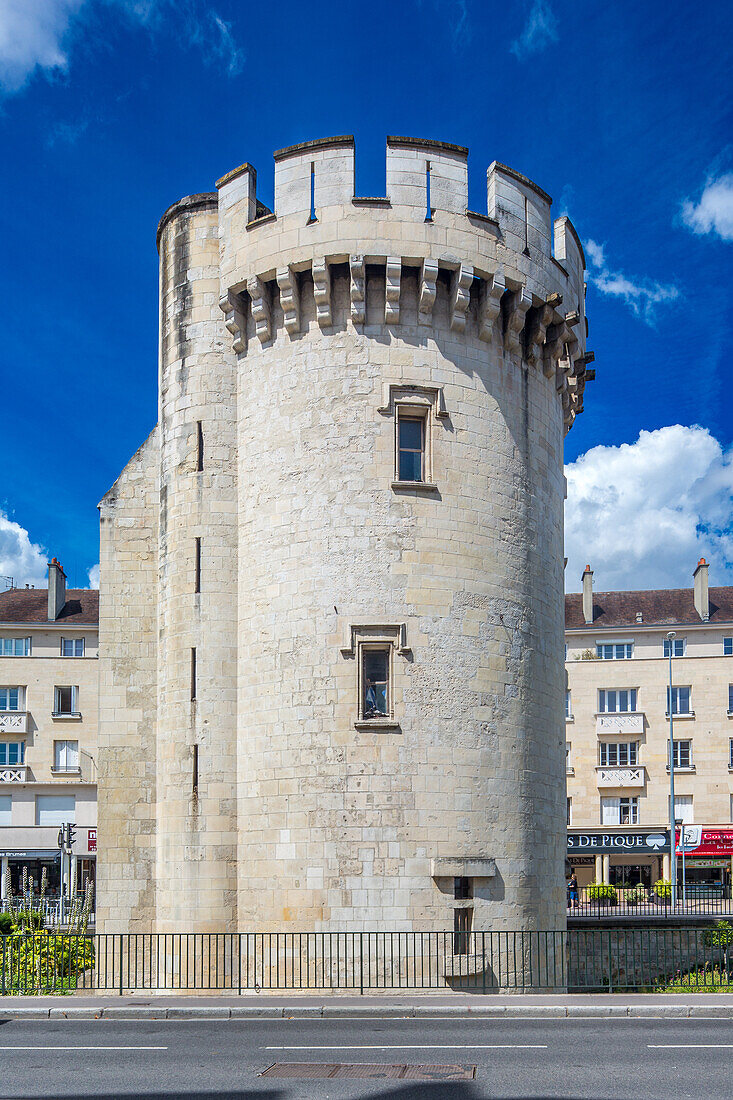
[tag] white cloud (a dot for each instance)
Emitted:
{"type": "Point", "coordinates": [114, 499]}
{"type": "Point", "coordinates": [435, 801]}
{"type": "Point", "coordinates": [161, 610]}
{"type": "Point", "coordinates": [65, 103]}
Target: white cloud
{"type": "Point", "coordinates": [39, 34]}
{"type": "Point", "coordinates": [642, 296]}
{"type": "Point", "coordinates": [713, 212]}
{"type": "Point", "coordinates": [643, 513]}
{"type": "Point", "coordinates": [33, 35]}
{"type": "Point", "coordinates": [539, 31]}
{"type": "Point", "coordinates": [20, 558]}
{"type": "Point", "coordinates": [93, 575]}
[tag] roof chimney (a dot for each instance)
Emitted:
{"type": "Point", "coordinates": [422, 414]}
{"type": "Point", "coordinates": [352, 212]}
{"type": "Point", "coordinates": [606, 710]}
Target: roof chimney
{"type": "Point", "coordinates": [588, 594]}
{"type": "Point", "coordinates": [702, 603]}
{"type": "Point", "coordinates": [56, 589]}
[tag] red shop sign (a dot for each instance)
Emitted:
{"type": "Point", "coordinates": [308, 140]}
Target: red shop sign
{"type": "Point", "coordinates": [701, 841]}
{"type": "Point", "coordinates": [91, 840]}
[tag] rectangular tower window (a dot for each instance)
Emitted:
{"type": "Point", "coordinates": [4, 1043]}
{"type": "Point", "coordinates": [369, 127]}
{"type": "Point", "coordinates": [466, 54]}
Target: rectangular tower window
{"type": "Point", "coordinates": [193, 672]}
{"type": "Point", "coordinates": [461, 931]}
{"type": "Point", "coordinates": [462, 888]}
{"type": "Point", "coordinates": [197, 567]}
{"type": "Point", "coordinates": [411, 448]}
{"type": "Point", "coordinates": [375, 680]}
{"type": "Point", "coordinates": [199, 446]}
{"type": "Point", "coordinates": [195, 771]}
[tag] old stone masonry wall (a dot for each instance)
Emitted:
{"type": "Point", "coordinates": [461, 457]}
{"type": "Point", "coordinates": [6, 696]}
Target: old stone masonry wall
{"type": "Point", "coordinates": [345, 663]}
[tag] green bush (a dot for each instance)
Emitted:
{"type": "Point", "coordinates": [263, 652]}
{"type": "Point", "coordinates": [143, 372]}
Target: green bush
{"type": "Point", "coordinates": [663, 888]}
{"type": "Point", "coordinates": [45, 962]}
{"type": "Point", "coordinates": [720, 935]}
{"type": "Point", "coordinates": [29, 919]}
{"type": "Point", "coordinates": [637, 896]}
{"type": "Point", "coordinates": [602, 892]}
{"type": "Point", "coordinates": [7, 924]}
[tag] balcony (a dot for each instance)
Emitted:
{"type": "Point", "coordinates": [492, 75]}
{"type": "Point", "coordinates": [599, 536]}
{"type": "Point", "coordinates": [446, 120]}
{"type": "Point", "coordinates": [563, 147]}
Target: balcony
{"type": "Point", "coordinates": [628, 776]}
{"type": "Point", "coordinates": [620, 723]}
{"type": "Point", "coordinates": [12, 773]}
{"type": "Point", "coordinates": [13, 721]}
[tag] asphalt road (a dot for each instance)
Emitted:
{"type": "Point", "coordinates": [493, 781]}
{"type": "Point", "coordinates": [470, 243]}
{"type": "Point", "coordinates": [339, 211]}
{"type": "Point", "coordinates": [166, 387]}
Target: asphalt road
{"type": "Point", "coordinates": [616, 1059]}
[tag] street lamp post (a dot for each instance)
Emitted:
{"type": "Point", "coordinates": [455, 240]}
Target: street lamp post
{"type": "Point", "coordinates": [672, 823]}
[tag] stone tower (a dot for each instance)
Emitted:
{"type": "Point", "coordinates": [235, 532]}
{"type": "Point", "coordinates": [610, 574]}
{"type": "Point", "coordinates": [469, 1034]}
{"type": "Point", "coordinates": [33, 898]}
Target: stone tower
{"type": "Point", "coordinates": [332, 578]}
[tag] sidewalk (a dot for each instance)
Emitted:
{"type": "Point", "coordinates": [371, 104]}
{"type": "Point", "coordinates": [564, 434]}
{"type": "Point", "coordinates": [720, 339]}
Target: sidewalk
{"type": "Point", "coordinates": [332, 1006]}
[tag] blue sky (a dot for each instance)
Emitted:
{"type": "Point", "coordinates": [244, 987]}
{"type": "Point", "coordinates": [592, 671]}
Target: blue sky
{"type": "Point", "coordinates": [112, 109]}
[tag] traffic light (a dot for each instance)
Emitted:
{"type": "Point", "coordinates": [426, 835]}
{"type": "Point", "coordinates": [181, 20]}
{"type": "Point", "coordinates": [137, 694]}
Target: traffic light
{"type": "Point", "coordinates": [60, 837]}
{"type": "Point", "coordinates": [70, 834]}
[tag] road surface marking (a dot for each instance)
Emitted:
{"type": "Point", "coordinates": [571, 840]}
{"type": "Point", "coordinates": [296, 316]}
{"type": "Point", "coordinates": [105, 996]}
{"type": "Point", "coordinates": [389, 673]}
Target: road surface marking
{"type": "Point", "coordinates": [419, 1046]}
{"type": "Point", "coordinates": [690, 1046]}
{"type": "Point", "coordinates": [83, 1048]}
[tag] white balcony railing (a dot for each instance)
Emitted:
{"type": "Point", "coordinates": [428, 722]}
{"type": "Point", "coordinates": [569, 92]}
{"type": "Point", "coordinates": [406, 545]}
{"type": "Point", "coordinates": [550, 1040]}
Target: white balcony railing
{"type": "Point", "coordinates": [13, 721]}
{"type": "Point", "coordinates": [619, 777]}
{"type": "Point", "coordinates": [620, 723]}
{"type": "Point", "coordinates": [12, 773]}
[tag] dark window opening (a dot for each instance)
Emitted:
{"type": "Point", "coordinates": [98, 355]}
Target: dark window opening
{"type": "Point", "coordinates": [376, 683]}
{"type": "Point", "coordinates": [199, 446]}
{"type": "Point", "coordinates": [461, 930]}
{"type": "Point", "coordinates": [197, 567]}
{"type": "Point", "coordinates": [411, 448]}
{"type": "Point", "coordinates": [193, 673]}
{"type": "Point", "coordinates": [462, 888]}
{"type": "Point", "coordinates": [195, 777]}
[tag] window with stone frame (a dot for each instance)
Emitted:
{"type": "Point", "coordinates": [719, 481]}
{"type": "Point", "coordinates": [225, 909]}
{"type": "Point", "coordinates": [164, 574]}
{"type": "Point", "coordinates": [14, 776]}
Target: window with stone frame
{"type": "Point", "coordinates": [411, 431]}
{"type": "Point", "coordinates": [417, 410]}
{"type": "Point", "coordinates": [376, 699]}
{"type": "Point", "coordinates": [375, 649]}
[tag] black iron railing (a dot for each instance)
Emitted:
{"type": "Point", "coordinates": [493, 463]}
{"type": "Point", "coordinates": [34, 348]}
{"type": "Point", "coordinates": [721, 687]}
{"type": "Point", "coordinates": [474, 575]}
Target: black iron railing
{"type": "Point", "coordinates": [246, 962]}
{"type": "Point", "coordinates": [697, 900]}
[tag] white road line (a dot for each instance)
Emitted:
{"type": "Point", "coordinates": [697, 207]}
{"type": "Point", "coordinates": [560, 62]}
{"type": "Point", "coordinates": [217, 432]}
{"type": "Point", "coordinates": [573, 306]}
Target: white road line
{"type": "Point", "coordinates": [83, 1048]}
{"type": "Point", "coordinates": [690, 1046]}
{"type": "Point", "coordinates": [420, 1046]}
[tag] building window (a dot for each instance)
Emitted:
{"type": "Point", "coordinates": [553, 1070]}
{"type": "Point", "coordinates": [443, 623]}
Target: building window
{"type": "Point", "coordinates": [12, 752]}
{"type": "Point", "coordinates": [568, 765]}
{"type": "Point", "coordinates": [680, 700]}
{"type": "Point", "coordinates": [730, 755]}
{"type": "Point", "coordinates": [675, 646]}
{"type": "Point", "coordinates": [197, 567]}
{"type": "Point", "coordinates": [462, 930]}
{"type": "Point", "coordinates": [618, 754]}
{"type": "Point", "coordinates": [199, 446]}
{"type": "Point", "coordinates": [618, 701]}
{"type": "Point", "coordinates": [682, 808]}
{"type": "Point", "coordinates": [15, 647]}
{"type": "Point", "coordinates": [375, 683]}
{"type": "Point", "coordinates": [570, 810]}
{"type": "Point", "coordinates": [6, 808]}
{"type": "Point", "coordinates": [72, 647]}
{"type": "Point", "coordinates": [727, 647]}
{"type": "Point", "coordinates": [11, 698]}
{"type": "Point", "coordinates": [55, 809]}
{"type": "Point", "coordinates": [619, 811]}
{"type": "Point", "coordinates": [615, 651]}
{"type": "Point", "coordinates": [66, 756]}
{"type": "Point", "coordinates": [66, 702]}
{"type": "Point", "coordinates": [193, 673]}
{"type": "Point", "coordinates": [410, 447]}
{"type": "Point", "coordinates": [730, 698]}
{"type": "Point", "coordinates": [462, 888]}
{"type": "Point", "coordinates": [682, 754]}
{"type": "Point", "coordinates": [568, 705]}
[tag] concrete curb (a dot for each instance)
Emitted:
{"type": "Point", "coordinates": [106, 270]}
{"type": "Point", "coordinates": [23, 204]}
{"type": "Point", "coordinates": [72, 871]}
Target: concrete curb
{"type": "Point", "coordinates": [406, 1011]}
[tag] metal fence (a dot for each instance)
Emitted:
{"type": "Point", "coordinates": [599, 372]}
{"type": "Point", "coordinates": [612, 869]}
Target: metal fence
{"type": "Point", "coordinates": [697, 901]}
{"type": "Point", "coordinates": [238, 963]}
{"type": "Point", "coordinates": [56, 911]}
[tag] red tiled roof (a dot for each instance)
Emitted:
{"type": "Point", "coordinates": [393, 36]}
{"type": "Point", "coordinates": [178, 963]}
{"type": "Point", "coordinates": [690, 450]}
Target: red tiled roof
{"type": "Point", "coordinates": [30, 605]}
{"type": "Point", "coordinates": [665, 606]}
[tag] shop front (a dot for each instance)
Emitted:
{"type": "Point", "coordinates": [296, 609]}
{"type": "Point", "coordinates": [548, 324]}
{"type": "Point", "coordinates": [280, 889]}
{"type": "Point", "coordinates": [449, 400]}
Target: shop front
{"type": "Point", "coordinates": [708, 859]}
{"type": "Point", "coordinates": [46, 856]}
{"type": "Point", "coordinates": [619, 857]}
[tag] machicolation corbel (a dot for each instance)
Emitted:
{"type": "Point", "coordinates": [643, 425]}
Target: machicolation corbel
{"type": "Point", "coordinates": [460, 297]}
{"type": "Point", "coordinates": [490, 296]}
{"type": "Point", "coordinates": [392, 290]}
{"type": "Point", "coordinates": [428, 290]}
{"type": "Point", "coordinates": [235, 320]}
{"type": "Point", "coordinates": [287, 282]}
{"type": "Point", "coordinates": [260, 298]}
{"type": "Point", "coordinates": [358, 308]}
{"type": "Point", "coordinates": [516, 308]}
{"type": "Point", "coordinates": [322, 292]}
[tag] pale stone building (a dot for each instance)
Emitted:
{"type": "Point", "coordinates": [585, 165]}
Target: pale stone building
{"type": "Point", "coordinates": [617, 727]}
{"type": "Point", "coordinates": [332, 581]}
{"type": "Point", "coordinates": [48, 730]}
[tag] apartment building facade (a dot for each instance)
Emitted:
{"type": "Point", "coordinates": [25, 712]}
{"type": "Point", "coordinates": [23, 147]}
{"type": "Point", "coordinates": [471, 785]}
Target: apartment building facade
{"type": "Point", "coordinates": [618, 647]}
{"type": "Point", "coordinates": [48, 731]}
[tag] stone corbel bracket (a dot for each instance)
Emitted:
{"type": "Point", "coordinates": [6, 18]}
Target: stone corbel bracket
{"type": "Point", "coordinates": [462, 867]}
{"type": "Point", "coordinates": [393, 633]}
{"type": "Point", "coordinates": [358, 306]}
{"type": "Point", "coordinates": [392, 290]}
{"type": "Point", "coordinates": [490, 296]}
{"type": "Point", "coordinates": [235, 320]}
{"type": "Point", "coordinates": [516, 311]}
{"type": "Point", "coordinates": [322, 292]}
{"type": "Point", "coordinates": [287, 282]}
{"type": "Point", "coordinates": [428, 290]}
{"type": "Point", "coordinates": [460, 297]}
{"type": "Point", "coordinates": [392, 391]}
{"type": "Point", "coordinates": [541, 317]}
{"type": "Point", "coordinates": [260, 299]}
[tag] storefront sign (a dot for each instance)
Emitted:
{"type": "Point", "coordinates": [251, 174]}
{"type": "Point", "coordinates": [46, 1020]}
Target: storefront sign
{"type": "Point", "coordinates": [91, 840]}
{"type": "Point", "coordinates": [701, 841]}
{"type": "Point", "coordinates": [28, 853]}
{"type": "Point", "coordinates": [631, 843]}
{"type": "Point", "coordinates": [583, 861]}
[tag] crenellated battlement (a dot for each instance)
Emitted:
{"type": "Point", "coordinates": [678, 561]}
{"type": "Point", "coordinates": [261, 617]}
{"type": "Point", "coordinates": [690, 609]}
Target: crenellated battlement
{"type": "Point", "coordinates": [513, 277]}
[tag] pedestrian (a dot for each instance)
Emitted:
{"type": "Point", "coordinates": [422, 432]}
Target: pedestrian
{"type": "Point", "coordinates": [573, 891]}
